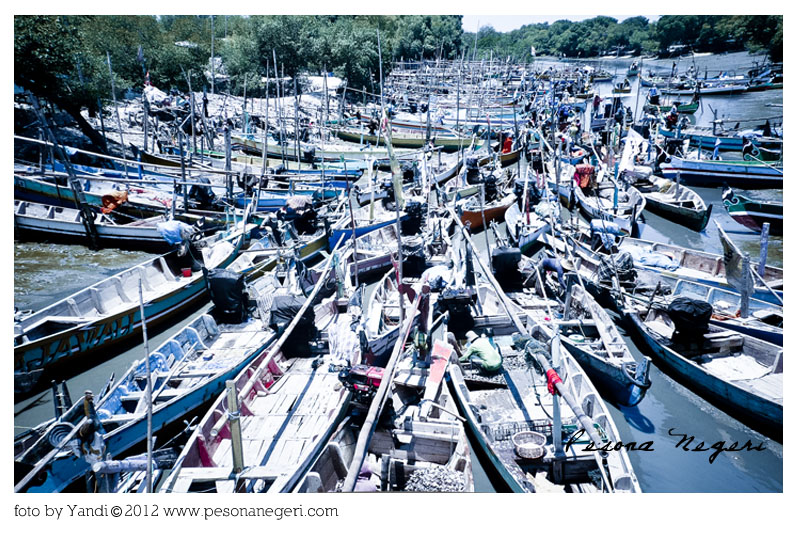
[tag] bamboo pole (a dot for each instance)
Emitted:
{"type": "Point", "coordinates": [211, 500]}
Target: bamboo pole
{"type": "Point", "coordinates": [148, 393]}
{"type": "Point", "coordinates": [116, 109]}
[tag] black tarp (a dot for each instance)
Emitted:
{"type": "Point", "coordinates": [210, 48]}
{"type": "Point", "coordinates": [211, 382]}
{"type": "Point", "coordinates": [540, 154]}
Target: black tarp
{"type": "Point", "coordinates": [690, 316]}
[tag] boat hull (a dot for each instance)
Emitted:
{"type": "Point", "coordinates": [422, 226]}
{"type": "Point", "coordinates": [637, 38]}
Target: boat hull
{"type": "Point", "coordinates": [710, 173]}
{"type": "Point", "coordinates": [692, 218]}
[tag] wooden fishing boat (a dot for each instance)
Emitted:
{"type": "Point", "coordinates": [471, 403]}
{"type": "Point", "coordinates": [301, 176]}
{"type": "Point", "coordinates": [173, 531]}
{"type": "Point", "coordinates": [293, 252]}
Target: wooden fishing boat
{"type": "Point", "coordinates": [586, 330]}
{"type": "Point", "coordinates": [423, 448]}
{"type": "Point", "coordinates": [186, 371]}
{"type": "Point", "coordinates": [707, 89]}
{"type": "Point", "coordinates": [288, 407]}
{"type": "Point", "coordinates": [651, 264]}
{"type": "Point", "coordinates": [753, 213]}
{"type": "Point", "coordinates": [265, 253]}
{"type": "Point", "coordinates": [326, 152]}
{"type": "Point", "coordinates": [505, 414]}
{"type": "Point", "coordinates": [621, 89]}
{"type": "Point", "coordinates": [683, 108]}
{"type": "Point", "coordinates": [706, 138]}
{"type": "Point", "coordinates": [366, 219]}
{"type": "Point", "coordinates": [57, 224]}
{"type": "Point", "coordinates": [448, 143]}
{"type": "Point", "coordinates": [740, 374]}
{"type": "Point", "coordinates": [96, 318]}
{"type": "Point", "coordinates": [674, 202]}
{"type": "Point", "coordinates": [139, 205]}
{"type": "Point", "coordinates": [666, 263]}
{"type": "Point", "coordinates": [471, 210]}
{"type": "Point", "coordinates": [742, 174]}
{"type": "Point", "coordinates": [593, 339]}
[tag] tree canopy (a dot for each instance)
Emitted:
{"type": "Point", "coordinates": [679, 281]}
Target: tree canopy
{"type": "Point", "coordinates": [605, 35]}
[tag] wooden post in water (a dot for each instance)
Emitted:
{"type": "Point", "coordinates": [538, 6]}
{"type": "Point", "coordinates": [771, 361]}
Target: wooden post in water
{"type": "Point", "coordinates": [483, 221]}
{"type": "Point", "coordinates": [228, 177]}
{"type": "Point", "coordinates": [213, 65]}
{"type": "Point", "coordinates": [183, 175]}
{"type": "Point", "coordinates": [145, 120]}
{"type": "Point", "coordinates": [747, 286]}
{"type": "Point", "coordinates": [194, 137]}
{"type": "Point", "coordinates": [762, 258]}
{"type": "Point", "coordinates": [236, 426]}
{"type": "Point", "coordinates": [56, 400]}
{"type": "Point", "coordinates": [353, 225]}
{"type": "Point", "coordinates": [296, 122]}
{"type": "Point", "coordinates": [266, 126]}
{"type": "Point", "coordinates": [558, 446]}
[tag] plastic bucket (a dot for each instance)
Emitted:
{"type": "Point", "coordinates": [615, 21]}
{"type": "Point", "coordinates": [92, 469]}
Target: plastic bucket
{"type": "Point", "coordinates": [187, 272]}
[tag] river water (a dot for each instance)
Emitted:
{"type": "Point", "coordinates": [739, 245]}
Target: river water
{"type": "Point", "coordinates": [44, 273]}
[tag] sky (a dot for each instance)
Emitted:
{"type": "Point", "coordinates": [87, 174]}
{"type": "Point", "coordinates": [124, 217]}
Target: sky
{"type": "Point", "coordinates": [506, 23]}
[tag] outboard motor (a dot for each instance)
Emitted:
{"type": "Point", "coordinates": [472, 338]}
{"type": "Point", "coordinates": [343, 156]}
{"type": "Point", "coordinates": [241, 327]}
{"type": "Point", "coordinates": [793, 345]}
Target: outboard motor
{"type": "Point", "coordinates": [362, 380]}
{"type": "Point", "coordinates": [505, 264]}
{"type": "Point", "coordinates": [414, 261]}
{"type": "Point", "coordinates": [458, 302]}
{"type": "Point", "coordinates": [306, 222]}
{"type": "Point", "coordinates": [534, 194]}
{"type": "Point", "coordinates": [473, 172]}
{"type": "Point", "coordinates": [202, 194]}
{"type": "Point", "coordinates": [412, 224]}
{"type": "Point", "coordinates": [690, 317]}
{"type": "Point", "coordinates": [673, 147]}
{"type": "Point", "coordinates": [229, 295]}
{"type": "Point", "coordinates": [284, 308]}
{"type": "Point", "coordinates": [408, 171]}
{"type": "Point", "coordinates": [308, 154]}
{"type": "Point", "coordinates": [535, 158]}
{"type": "Point", "coordinates": [387, 187]}
{"type": "Point", "coordinates": [490, 188]}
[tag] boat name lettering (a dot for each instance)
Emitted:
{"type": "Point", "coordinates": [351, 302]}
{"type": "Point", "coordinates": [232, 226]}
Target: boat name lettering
{"type": "Point", "coordinates": [93, 336]}
{"type": "Point", "coordinates": [718, 447]}
{"type": "Point", "coordinates": [646, 446]}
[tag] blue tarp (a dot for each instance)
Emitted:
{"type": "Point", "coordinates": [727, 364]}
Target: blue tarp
{"type": "Point", "coordinates": [173, 231]}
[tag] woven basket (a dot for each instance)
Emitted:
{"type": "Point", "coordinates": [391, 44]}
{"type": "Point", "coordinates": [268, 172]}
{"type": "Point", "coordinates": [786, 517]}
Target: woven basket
{"type": "Point", "coordinates": [529, 444]}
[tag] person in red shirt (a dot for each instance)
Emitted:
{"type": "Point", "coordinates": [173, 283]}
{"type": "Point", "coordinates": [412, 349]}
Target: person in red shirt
{"type": "Point", "coordinates": [507, 145]}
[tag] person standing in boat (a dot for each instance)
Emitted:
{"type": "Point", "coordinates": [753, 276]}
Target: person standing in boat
{"type": "Point", "coordinates": [552, 265]}
{"type": "Point", "coordinates": [507, 144]}
{"type": "Point", "coordinates": [482, 354]}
